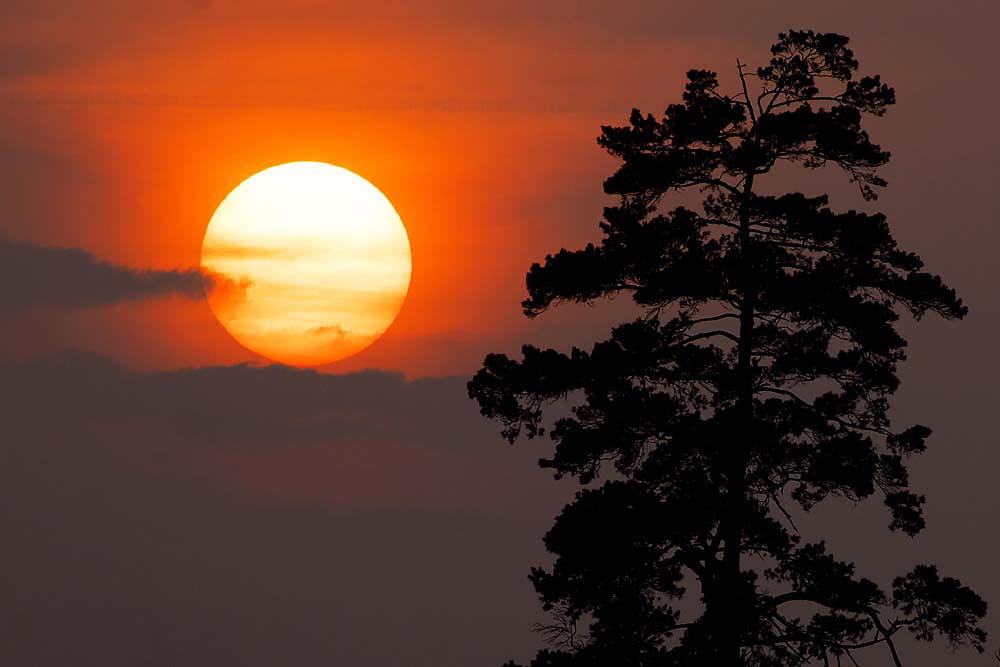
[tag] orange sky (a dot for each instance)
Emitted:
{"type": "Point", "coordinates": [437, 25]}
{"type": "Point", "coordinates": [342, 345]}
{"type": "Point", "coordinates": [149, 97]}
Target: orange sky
{"type": "Point", "coordinates": [129, 125]}
{"type": "Point", "coordinates": [220, 514]}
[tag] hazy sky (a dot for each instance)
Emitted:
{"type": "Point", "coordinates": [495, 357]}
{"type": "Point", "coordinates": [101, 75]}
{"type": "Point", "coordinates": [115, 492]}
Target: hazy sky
{"type": "Point", "coordinates": [167, 504]}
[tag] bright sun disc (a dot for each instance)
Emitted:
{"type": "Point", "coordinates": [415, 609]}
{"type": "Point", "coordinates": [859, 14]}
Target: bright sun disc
{"type": "Point", "coordinates": [306, 263]}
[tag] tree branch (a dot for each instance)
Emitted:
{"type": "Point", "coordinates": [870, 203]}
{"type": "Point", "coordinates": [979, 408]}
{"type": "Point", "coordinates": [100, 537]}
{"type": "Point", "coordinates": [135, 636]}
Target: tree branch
{"type": "Point", "coordinates": [746, 95]}
{"type": "Point", "coordinates": [709, 334]}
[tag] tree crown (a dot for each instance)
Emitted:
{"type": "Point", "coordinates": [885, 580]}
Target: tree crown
{"type": "Point", "coordinates": [758, 375]}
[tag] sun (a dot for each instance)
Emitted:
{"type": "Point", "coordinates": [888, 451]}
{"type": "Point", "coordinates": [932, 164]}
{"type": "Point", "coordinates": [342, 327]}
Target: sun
{"type": "Point", "coordinates": [306, 263]}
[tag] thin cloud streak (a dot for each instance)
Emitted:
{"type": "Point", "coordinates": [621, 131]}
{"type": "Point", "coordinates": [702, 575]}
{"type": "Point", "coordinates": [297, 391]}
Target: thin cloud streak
{"type": "Point", "coordinates": [34, 276]}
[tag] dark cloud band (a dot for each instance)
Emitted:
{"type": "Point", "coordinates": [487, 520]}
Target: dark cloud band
{"type": "Point", "coordinates": [35, 276]}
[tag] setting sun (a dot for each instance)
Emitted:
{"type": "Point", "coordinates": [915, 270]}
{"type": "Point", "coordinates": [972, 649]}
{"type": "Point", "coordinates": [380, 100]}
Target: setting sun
{"type": "Point", "coordinates": [308, 263]}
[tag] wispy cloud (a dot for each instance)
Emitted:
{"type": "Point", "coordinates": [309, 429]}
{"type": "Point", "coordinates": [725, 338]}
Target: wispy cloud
{"type": "Point", "coordinates": [34, 276]}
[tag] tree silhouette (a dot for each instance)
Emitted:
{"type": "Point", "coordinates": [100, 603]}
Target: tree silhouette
{"type": "Point", "coordinates": [756, 377]}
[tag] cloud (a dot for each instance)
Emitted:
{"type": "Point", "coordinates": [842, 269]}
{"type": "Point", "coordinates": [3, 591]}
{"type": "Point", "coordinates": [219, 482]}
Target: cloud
{"type": "Point", "coordinates": [256, 516]}
{"type": "Point", "coordinates": [34, 276]}
{"type": "Point", "coordinates": [260, 515]}
{"type": "Point", "coordinates": [334, 331]}
{"type": "Point", "coordinates": [366, 439]}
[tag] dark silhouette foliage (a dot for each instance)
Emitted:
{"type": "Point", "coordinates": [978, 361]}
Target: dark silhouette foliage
{"type": "Point", "coordinates": [757, 378]}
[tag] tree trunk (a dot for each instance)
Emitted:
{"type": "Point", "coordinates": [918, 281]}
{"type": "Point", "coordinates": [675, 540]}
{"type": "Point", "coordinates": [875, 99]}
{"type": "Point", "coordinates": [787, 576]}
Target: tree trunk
{"type": "Point", "coordinates": [732, 616]}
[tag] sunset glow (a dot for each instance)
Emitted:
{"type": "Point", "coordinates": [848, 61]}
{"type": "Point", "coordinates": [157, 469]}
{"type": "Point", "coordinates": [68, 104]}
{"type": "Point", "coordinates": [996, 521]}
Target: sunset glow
{"type": "Point", "coordinates": [281, 280]}
{"type": "Point", "coordinates": [307, 263]}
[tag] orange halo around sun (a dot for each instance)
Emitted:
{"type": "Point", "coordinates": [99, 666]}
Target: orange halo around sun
{"type": "Point", "coordinates": [306, 263]}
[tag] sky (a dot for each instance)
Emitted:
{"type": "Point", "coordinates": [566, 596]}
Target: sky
{"type": "Point", "coordinates": [172, 499]}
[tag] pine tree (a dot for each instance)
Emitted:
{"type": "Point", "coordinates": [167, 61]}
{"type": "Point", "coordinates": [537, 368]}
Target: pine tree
{"type": "Point", "coordinates": [754, 384]}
